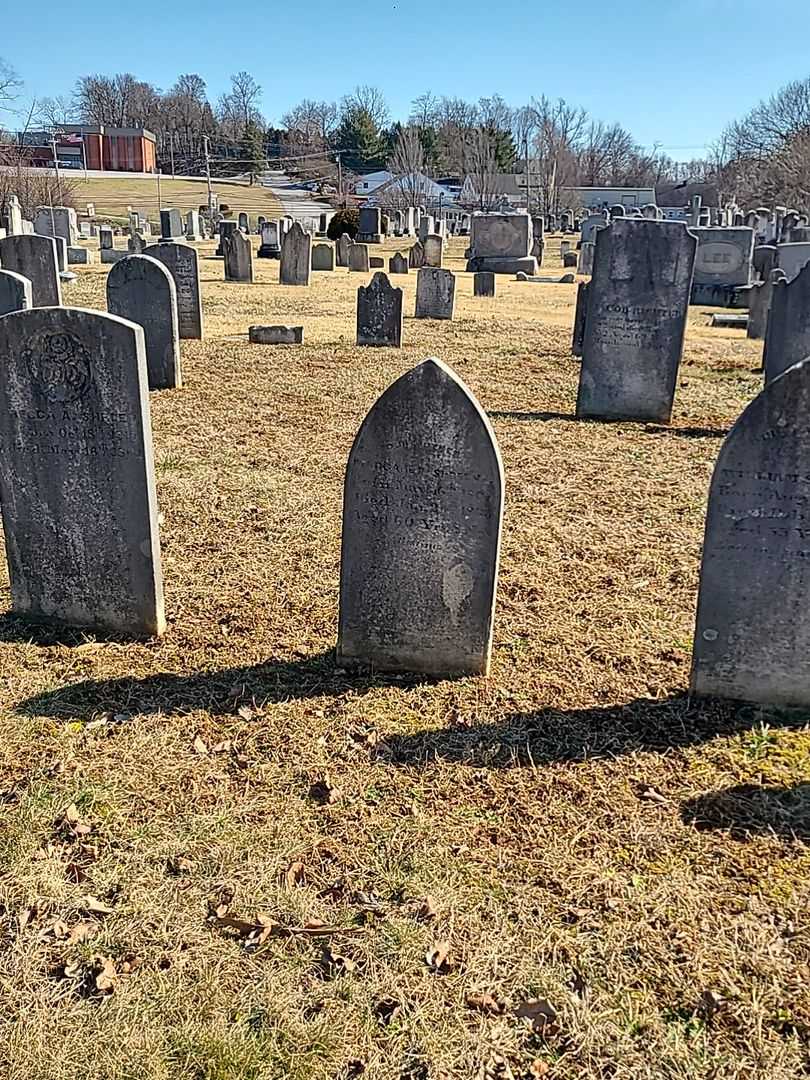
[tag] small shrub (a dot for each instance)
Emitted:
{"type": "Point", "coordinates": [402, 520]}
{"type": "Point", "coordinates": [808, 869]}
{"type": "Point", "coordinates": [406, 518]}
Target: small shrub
{"type": "Point", "coordinates": [344, 221]}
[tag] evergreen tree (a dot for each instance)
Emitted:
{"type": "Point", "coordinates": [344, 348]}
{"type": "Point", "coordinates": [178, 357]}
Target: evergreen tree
{"type": "Point", "coordinates": [361, 139]}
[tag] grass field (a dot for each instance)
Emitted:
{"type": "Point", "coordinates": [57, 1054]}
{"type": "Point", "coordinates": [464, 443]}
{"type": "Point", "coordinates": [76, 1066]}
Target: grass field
{"type": "Point", "coordinates": [112, 195]}
{"type": "Point", "coordinates": [223, 858]}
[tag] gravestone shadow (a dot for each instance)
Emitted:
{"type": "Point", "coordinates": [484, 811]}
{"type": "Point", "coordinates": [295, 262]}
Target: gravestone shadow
{"type": "Point", "coordinates": [15, 628]}
{"type": "Point", "coordinates": [529, 739]}
{"type": "Point", "coordinates": [218, 692]}
{"type": "Point", "coordinates": [748, 809]}
{"type": "Point", "coordinates": [650, 429]}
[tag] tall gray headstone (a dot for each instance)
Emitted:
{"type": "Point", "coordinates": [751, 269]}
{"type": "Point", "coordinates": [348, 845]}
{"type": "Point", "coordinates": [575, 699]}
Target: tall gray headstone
{"type": "Point", "coordinates": [344, 243]}
{"type": "Point", "coordinates": [171, 224]}
{"type": "Point", "coordinates": [759, 295]}
{"type": "Point", "coordinates": [787, 339]}
{"type": "Point", "coordinates": [434, 248]}
{"type": "Point", "coordinates": [15, 292]}
{"type": "Point", "coordinates": [183, 264]}
{"type": "Point", "coordinates": [238, 256]}
{"type": "Point", "coordinates": [379, 313]}
{"type": "Point", "coordinates": [34, 257]}
{"type": "Point", "coordinates": [270, 246]}
{"type": "Point", "coordinates": [435, 293]}
{"type": "Point", "coordinates": [77, 486]}
{"type": "Point", "coordinates": [416, 256]}
{"type": "Point", "coordinates": [752, 636]}
{"type": "Point", "coordinates": [358, 258]}
{"type": "Point", "coordinates": [369, 230]}
{"type": "Point", "coordinates": [141, 289]}
{"type": "Point", "coordinates": [295, 256]}
{"type": "Point", "coordinates": [637, 308]}
{"type": "Point", "coordinates": [422, 510]}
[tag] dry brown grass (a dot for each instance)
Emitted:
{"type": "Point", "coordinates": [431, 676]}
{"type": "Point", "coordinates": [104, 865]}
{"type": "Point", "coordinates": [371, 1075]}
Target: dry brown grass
{"type": "Point", "coordinates": [111, 195]}
{"type": "Point", "coordinates": [548, 811]}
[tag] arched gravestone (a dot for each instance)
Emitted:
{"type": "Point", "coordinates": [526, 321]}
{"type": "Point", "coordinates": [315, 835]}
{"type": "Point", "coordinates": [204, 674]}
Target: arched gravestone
{"type": "Point", "coordinates": [77, 486]}
{"type": "Point", "coordinates": [752, 637]}
{"type": "Point", "coordinates": [379, 313]}
{"type": "Point", "coordinates": [637, 306]}
{"type": "Point", "coordinates": [35, 258]}
{"type": "Point", "coordinates": [238, 256]}
{"type": "Point", "coordinates": [15, 292]}
{"type": "Point", "coordinates": [183, 264]}
{"type": "Point", "coordinates": [141, 289]}
{"type": "Point", "coordinates": [422, 510]}
{"type": "Point", "coordinates": [787, 337]}
{"type": "Point", "coordinates": [295, 257]}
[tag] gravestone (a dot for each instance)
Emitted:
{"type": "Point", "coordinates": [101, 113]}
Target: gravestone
{"type": "Point", "coordinates": [57, 221]}
{"type": "Point", "coordinates": [416, 256]}
{"type": "Point", "coordinates": [136, 245]}
{"type": "Point", "coordinates": [141, 289]}
{"type": "Point", "coordinates": [752, 635]}
{"type": "Point", "coordinates": [792, 257]}
{"type": "Point", "coordinates": [183, 264]}
{"type": "Point", "coordinates": [77, 485]}
{"type": "Point", "coordinates": [358, 258]}
{"type": "Point", "coordinates": [764, 260]}
{"type": "Point", "coordinates": [193, 225]}
{"type": "Point", "coordinates": [589, 226]}
{"type": "Point", "coordinates": [35, 258]}
{"type": "Point", "coordinates": [376, 262]}
{"type": "Point", "coordinates": [398, 264]}
{"type": "Point", "coordinates": [78, 256]}
{"type": "Point", "coordinates": [238, 256]}
{"type": "Point", "coordinates": [570, 259]}
{"type": "Point", "coordinates": [637, 308]}
{"type": "Point", "coordinates": [15, 292]}
{"type": "Point", "coordinates": [379, 313]}
{"type": "Point", "coordinates": [426, 227]}
{"type": "Point", "coordinates": [586, 252]}
{"type": "Point", "coordinates": [759, 295]}
{"type": "Point", "coordinates": [422, 510]}
{"type": "Point", "coordinates": [369, 230]}
{"type": "Point", "coordinates": [344, 243]}
{"type": "Point", "coordinates": [275, 335]}
{"type": "Point", "coordinates": [722, 264]}
{"type": "Point", "coordinates": [270, 246]}
{"type": "Point", "coordinates": [434, 248]}
{"type": "Point", "coordinates": [295, 257]}
{"type": "Point", "coordinates": [502, 244]}
{"type": "Point", "coordinates": [171, 224]}
{"type": "Point", "coordinates": [243, 223]}
{"type": "Point", "coordinates": [580, 317]}
{"type": "Point", "coordinates": [435, 293]}
{"type": "Point", "coordinates": [226, 228]}
{"type": "Point", "coordinates": [787, 338]}
{"type": "Point", "coordinates": [12, 219]}
{"type": "Point", "coordinates": [484, 283]}
{"type": "Point", "coordinates": [323, 257]}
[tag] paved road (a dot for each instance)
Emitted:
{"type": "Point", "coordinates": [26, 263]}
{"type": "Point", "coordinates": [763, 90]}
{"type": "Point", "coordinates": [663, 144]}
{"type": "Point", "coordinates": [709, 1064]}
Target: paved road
{"type": "Point", "coordinates": [295, 199]}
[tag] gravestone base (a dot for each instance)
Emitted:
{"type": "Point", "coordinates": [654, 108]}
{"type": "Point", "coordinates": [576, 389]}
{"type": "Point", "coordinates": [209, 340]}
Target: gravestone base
{"type": "Point", "coordinates": [269, 251]}
{"type": "Point", "coordinates": [376, 262]}
{"type": "Point", "coordinates": [368, 238]}
{"type": "Point", "coordinates": [527, 264]}
{"type": "Point", "coordinates": [729, 296]}
{"type": "Point", "coordinates": [275, 335]}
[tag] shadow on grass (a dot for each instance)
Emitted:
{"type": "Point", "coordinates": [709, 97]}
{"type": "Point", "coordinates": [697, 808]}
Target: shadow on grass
{"type": "Point", "coordinates": [747, 809]}
{"type": "Point", "coordinates": [217, 692]}
{"type": "Point", "coordinates": [650, 429]}
{"type": "Point", "coordinates": [549, 735]}
{"type": "Point", "coordinates": [15, 628]}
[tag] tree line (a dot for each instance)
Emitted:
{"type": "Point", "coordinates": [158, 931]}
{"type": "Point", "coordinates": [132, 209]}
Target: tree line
{"type": "Point", "coordinates": [764, 157]}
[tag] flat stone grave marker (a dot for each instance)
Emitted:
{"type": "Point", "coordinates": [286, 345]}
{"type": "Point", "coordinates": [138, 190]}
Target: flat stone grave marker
{"type": "Point", "coordinates": [398, 264]}
{"type": "Point", "coordinates": [484, 283]}
{"type": "Point", "coordinates": [15, 292]}
{"type": "Point", "coordinates": [435, 293]}
{"type": "Point", "coordinates": [787, 338]}
{"type": "Point", "coordinates": [752, 636]}
{"type": "Point", "coordinates": [379, 313]}
{"type": "Point", "coordinates": [183, 264]}
{"type": "Point", "coordinates": [275, 335]}
{"type": "Point", "coordinates": [238, 255]}
{"type": "Point", "coordinates": [637, 307]}
{"type": "Point", "coordinates": [141, 289]}
{"type": "Point", "coordinates": [77, 486]}
{"type": "Point", "coordinates": [35, 258]}
{"type": "Point", "coordinates": [295, 256]}
{"type": "Point", "coordinates": [422, 510]}
{"type": "Point", "coordinates": [323, 257]}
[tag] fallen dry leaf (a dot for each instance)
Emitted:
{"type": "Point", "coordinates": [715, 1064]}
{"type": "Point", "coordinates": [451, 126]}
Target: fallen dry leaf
{"type": "Point", "coordinates": [180, 864]}
{"type": "Point", "coordinates": [105, 974]}
{"type": "Point", "coordinates": [95, 907]}
{"type": "Point", "coordinates": [486, 1003]}
{"type": "Point", "coordinates": [427, 909]}
{"type": "Point", "coordinates": [82, 931]}
{"type": "Point", "coordinates": [334, 963]}
{"type": "Point", "coordinates": [245, 712]}
{"type": "Point", "coordinates": [294, 874]}
{"type": "Point", "coordinates": [538, 1068]}
{"type": "Point", "coordinates": [199, 745]}
{"type": "Point", "coordinates": [71, 822]}
{"type": "Point", "coordinates": [650, 794]}
{"type": "Point", "coordinates": [221, 747]}
{"type": "Point", "coordinates": [438, 959]}
{"type": "Point", "coordinates": [324, 792]}
{"type": "Point", "coordinates": [541, 1013]}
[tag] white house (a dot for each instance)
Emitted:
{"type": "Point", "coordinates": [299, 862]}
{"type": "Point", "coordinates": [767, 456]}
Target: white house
{"type": "Point", "coordinates": [371, 181]}
{"type": "Point", "coordinates": [412, 189]}
{"type": "Point", "coordinates": [597, 198]}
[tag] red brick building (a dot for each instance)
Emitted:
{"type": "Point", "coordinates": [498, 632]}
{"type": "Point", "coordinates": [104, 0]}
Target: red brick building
{"type": "Point", "coordinates": [108, 149]}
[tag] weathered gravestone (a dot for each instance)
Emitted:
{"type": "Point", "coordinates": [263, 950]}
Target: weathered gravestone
{"type": "Point", "coordinates": [243, 222]}
{"type": "Point", "coordinates": [193, 225]}
{"type": "Point", "coordinates": [398, 264]}
{"type": "Point", "coordinates": [722, 264]}
{"type": "Point", "coordinates": [502, 243]}
{"type": "Point", "coordinates": [77, 485]}
{"type": "Point", "coordinates": [183, 264]}
{"type": "Point", "coordinates": [358, 258]}
{"type": "Point", "coordinates": [586, 253]}
{"type": "Point", "coordinates": [434, 248]}
{"type": "Point", "coordinates": [764, 260]}
{"type": "Point", "coordinates": [295, 257]}
{"type": "Point", "coordinates": [435, 293]}
{"type": "Point", "coordinates": [323, 257]}
{"type": "Point", "coordinates": [580, 317]}
{"type": "Point", "coordinates": [226, 228]}
{"type": "Point", "coordinates": [792, 257]}
{"type": "Point", "coordinates": [787, 339]}
{"type": "Point", "coordinates": [379, 313]}
{"type": "Point", "coordinates": [422, 510]}
{"type": "Point", "coordinates": [57, 221]}
{"type": "Point", "coordinates": [752, 637]}
{"type": "Point", "coordinates": [141, 289]}
{"type": "Point", "coordinates": [416, 256]}
{"type": "Point", "coordinates": [484, 283]}
{"type": "Point", "coordinates": [637, 309]}
{"type": "Point", "coordinates": [238, 256]}
{"type": "Point", "coordinates": [344, 243]}
{"type": "Point", "coordinates": [270, 246]}
{"type": "Point", "coordinates": [570, 259]}
{"type": "Point", "coordinates": [171, 224]}
{"type": "Point", "coordinates": [35, 258]}
{"type": "Point", "coordinates": [15, 292]}
{"type": "Point", "coordinates": [369, 230]}
{"type": "Point", "coordinates": [136, 245]}
{"type": "Point", "coordinates": [275, 335]}
{"type": "Point", "coordinates": [376, 262]}
{"type": "Point", "coordinates": [759, 295]}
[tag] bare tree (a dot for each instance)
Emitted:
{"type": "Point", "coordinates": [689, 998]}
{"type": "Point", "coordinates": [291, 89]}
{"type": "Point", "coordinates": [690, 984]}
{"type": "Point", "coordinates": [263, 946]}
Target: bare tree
{"type": "Point", "coordinates": [482, 168]}
{"type": "Point", "coordinates": [55, 112]}
{"type": "Point", "coordinates": [367, 99]}
{"type": "Point", "coordinates": [10, 83]}
{"type": "Point", "coordinates": [407, 164]}
{"type": "Point", "coordinates": [239, 108]}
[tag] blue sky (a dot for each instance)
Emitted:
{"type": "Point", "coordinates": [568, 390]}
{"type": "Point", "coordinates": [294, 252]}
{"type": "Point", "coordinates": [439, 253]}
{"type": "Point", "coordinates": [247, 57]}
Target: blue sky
{"type": "Point", "coordinates": [673, 72]}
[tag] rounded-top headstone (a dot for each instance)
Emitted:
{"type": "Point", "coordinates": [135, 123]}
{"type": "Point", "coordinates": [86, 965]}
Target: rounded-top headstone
{"type": "Point", "coordinates": [141, 289]}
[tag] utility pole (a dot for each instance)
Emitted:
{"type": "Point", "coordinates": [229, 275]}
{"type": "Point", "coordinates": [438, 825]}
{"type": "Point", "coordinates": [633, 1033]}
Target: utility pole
{"type": "Point", "coordinates": [160, 201]}
{"type": "Point", "coordinates": [171, 151]}
{"type": "Point", "coordinates": [207, 169]}
{"type": "Point", "coordinates": [340, 179]}
{"type": "Point", "coordinates": [56, 167]}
